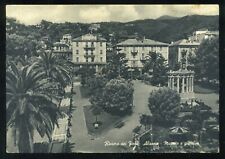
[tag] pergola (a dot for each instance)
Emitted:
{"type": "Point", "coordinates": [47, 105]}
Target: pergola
{"type": "Point", "coordinates": [183, 82]}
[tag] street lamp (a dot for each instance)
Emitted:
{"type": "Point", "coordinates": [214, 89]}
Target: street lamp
{"type": "Point", "coordinates": [131, 70]}
{"type": "Point", "coordinates": [201, 134]}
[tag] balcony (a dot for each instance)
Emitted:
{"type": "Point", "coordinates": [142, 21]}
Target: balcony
{"type": "Point", "coordinates": [134, 53]}
{"type": "Point", "coordinates": [133, 65]}
{"type": "Point", "coordinates": [142, 59]}
{"type": "Point", "coordinates": [92, 47]}
{"type": "Point", "coordinates": [89, 55]}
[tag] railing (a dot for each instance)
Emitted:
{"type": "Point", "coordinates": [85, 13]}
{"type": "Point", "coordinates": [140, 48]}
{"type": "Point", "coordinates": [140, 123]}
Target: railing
{"type": "Point", "coordinates": [92, 47]}
{"type": "Point", "coordinates": [134, 53]}
{"type": "Point", "coordinates": [87, 55]}
{"type": "Point", "coordinates": [142, 59]}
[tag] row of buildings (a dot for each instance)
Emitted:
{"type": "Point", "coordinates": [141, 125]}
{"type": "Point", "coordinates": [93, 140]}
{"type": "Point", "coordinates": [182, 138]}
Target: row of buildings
{"type": "Point", "coordinates": [90, 49]}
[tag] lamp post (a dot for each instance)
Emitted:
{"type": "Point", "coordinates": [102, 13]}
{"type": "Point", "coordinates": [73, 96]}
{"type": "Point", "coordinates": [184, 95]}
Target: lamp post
{"type": "Point", "coordinates": [131, 70]}
{"type": "Point", "coordinates": [201, 134]}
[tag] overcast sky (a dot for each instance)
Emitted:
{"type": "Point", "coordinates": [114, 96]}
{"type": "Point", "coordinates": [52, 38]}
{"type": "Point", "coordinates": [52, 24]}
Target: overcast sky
{"type": "Point", "coordinates": [33, 14]}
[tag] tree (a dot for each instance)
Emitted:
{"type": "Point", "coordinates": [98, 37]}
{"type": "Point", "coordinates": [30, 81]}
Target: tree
{"type": "Point", "coordinates": [96, 110]}
{"type": "Point", "coordinates": [146, 120]}
{"type": "Point", "coordinates": [164, 105]}
{"type": "Point", "coordinates": [116, 97]}
{"type": "Point", "coordinates": [27, 107]}
{"type": "Point", "coordinates": [96, 84]}
{"type": "Point", "coordinates": [155, 65]}
{"type": "Point", "coordinates": [55, 69]}
{"type": "Point", "coordinates": [116, 65]}
{"type": "Point", "coordinates": [195, 120]}
{"type": "Point", "coordinates": [86, 72]}
{"type": "Point", "coordinates": [206, 61]}
{"type": "Point", "coordinates": [18, 45]}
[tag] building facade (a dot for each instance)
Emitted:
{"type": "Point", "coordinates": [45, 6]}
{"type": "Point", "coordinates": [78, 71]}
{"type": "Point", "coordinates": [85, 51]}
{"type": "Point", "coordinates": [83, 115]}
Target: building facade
{"type": "Point", "coordinates": [63, 50]}
{"type": "Point", "coordinates": [94, 27]}
{"type": "Point", "coordinates": [211, 35]}
{"type": "Point", "coordinates": [64, 47]}
{"type": "Point", "coordinates": [179, 52]}
{"type": "Point", "coordinates": [67, 39]}
{"type": "Point", "coordinates": [137, 50]}
{"type": "Point", "coordinates": [201, 35]}
{"type": "Point", "coordinates": [89, 50]}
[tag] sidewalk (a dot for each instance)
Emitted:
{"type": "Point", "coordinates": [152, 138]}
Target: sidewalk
{"type": "Point", "coordinates": [83, 141]}
{"type": "Point", "coordinates": [79, 131]}
{"type": "Point", "coordinates": [87, 143]}
{"type": "Point", "coordinates": [11, 148]}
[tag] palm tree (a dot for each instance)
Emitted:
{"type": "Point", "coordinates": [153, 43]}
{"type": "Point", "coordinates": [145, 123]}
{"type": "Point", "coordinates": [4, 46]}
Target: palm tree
{"type": "Point", "coordinates": [150, 62]}
{"type": "Point", "coordinates": [56, 69]}
{"type": "Point", "coordinates": [156, 66]}
{"type": "Point", "coordinates": [27, 107]}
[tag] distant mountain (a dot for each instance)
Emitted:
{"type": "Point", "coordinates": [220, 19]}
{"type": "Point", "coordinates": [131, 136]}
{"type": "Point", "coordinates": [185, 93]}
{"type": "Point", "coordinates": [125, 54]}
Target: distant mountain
{"type": "Point", "coordinates": [166, 17]}
{"type": "Point", "coordinates": [164, 29]}
{"type": "Point", "coordinates": [167, 30]}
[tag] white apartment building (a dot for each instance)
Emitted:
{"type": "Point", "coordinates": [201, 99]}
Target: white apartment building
{"type": "Point", "coordinates": [64, 47]}
{"type": "Point", "coordinates": [200, 35]}
{"type": "Point", "coordinates": [89, 50]}
{"type": "Point", "coordinates": [180, 50]}
{"type": "Point", "coordinates": [137, 50]}
{"type": "Point", "coordinates": [66, 39]}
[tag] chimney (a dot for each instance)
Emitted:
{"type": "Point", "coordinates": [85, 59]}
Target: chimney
{"type": "Point", "coordinates": [143, 38]}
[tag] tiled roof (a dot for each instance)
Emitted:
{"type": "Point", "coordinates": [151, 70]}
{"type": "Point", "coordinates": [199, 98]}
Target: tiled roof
{"type": "Point", "coordinates": [141, 42]}
{"type": "Point", "coordinates": [89, 37]}
{"type": "Point", "coordinates": [184, 42]}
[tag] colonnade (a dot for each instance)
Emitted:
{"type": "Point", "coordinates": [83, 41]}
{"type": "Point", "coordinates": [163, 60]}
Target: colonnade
{"type": "Point", "coordinates": [182, 83]}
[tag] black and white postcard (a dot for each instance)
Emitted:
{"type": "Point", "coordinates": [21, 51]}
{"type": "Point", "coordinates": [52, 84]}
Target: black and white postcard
{"type": "Point", "coordinates": [112, 78]}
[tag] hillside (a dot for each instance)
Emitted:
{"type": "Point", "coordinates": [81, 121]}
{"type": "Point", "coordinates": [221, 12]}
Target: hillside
{"type": "Point", "coordinates": [165, 29]}
{"type": "Point", "coordinates": [172, 29]}
{"type": "Point", "coordinates": [166, 17]}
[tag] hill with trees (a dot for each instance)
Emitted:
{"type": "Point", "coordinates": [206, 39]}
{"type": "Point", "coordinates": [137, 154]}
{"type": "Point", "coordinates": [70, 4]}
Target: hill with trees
{"type": "Point", "coordinates": [161, 29]}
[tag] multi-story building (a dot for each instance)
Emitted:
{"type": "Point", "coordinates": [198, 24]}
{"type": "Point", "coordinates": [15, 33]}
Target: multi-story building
{"type": "Point", "coordinates": [66, 39]}
{"type": "Point", "coordinates": [137, 50]}
{"type": "Point", "coordinates": [89, 50]}
{"type": "Point", "coordinates": [63, 50]}
{"type": "Point", "coordinates": [179, 52]}
{"type": "Point", "coordinates": [64, 47]}
{"type": "Point", "coordinates": [200, 35]}
{"type": "Point", "coordinates": [211, 35]}
{"type": "Point", "coordinates": [94, 27]}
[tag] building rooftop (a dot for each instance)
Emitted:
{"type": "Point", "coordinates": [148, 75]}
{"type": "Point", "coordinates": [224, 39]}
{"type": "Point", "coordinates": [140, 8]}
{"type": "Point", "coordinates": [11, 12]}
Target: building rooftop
{"type": "Point", "coordinates": [185, 42]}
{"type": "Point", "coordinates": [212, 33]}
{"type": "Point", "coordinates": [60, 44]}
{"type": "Point", "coordinates": [67, 35]}
{"type": "Point", "coordinates": [89, 37]}
{"type": "Point", "coordinates": [178, 130]}
{"type": "Point", "coordinates": [144, 42]}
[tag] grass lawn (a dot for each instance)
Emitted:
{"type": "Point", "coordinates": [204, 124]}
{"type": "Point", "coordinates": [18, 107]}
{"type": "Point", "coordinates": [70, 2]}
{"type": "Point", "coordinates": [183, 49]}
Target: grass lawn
{"type": "Point", "coordinates": [107, 120]}
{"type": "Point", "coordinates": [85, 93]}
{"type": "Point", "coordinates": [203, 90]}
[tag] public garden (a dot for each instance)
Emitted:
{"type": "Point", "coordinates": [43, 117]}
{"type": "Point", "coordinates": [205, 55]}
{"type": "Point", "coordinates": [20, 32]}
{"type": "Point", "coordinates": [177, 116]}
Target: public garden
{"type": "Point", "coordinates": [52, 108]}
{"type": "Point", "coordinates": [114, 128]}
